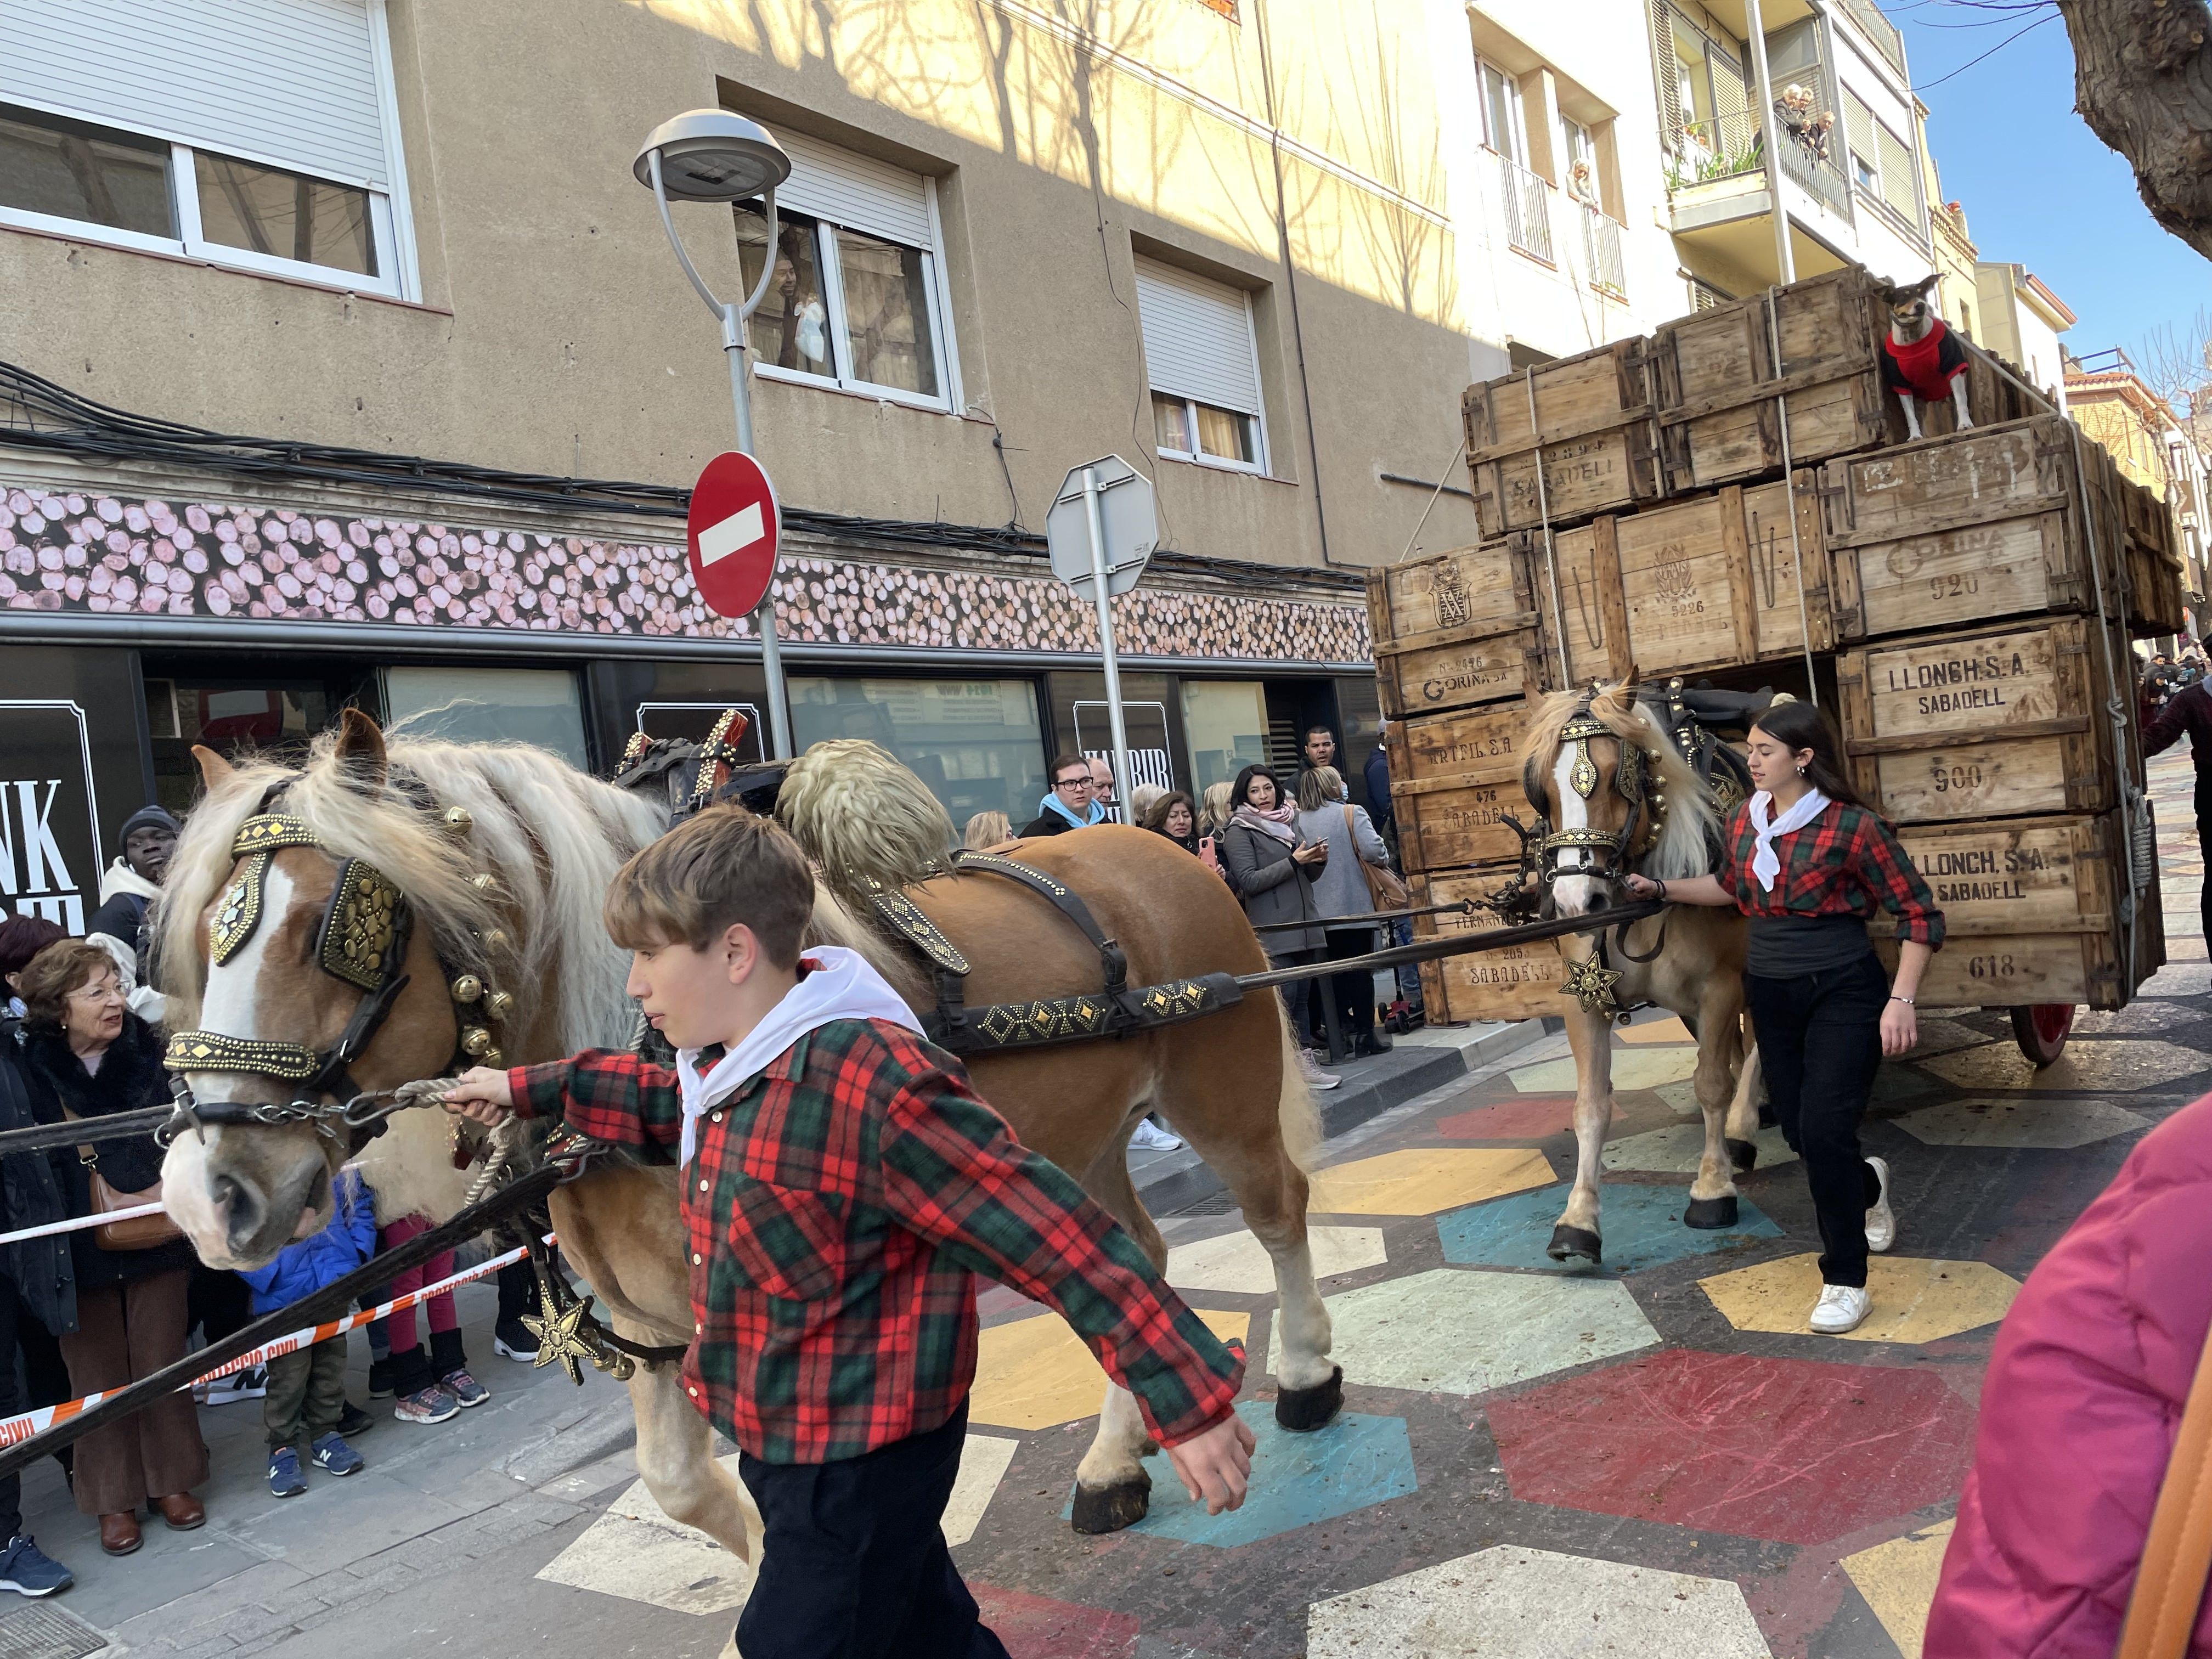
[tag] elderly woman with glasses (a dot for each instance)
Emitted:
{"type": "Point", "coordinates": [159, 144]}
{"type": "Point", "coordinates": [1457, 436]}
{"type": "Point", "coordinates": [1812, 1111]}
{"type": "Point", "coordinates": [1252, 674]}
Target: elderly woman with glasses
{"type": "Point", "coordinates": [1070, 803]}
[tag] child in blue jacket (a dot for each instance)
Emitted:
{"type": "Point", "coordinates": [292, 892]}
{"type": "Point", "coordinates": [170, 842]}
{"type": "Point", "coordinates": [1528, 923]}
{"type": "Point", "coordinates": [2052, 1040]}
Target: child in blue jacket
{"type": "Point", "coordinates": [306, 1387]}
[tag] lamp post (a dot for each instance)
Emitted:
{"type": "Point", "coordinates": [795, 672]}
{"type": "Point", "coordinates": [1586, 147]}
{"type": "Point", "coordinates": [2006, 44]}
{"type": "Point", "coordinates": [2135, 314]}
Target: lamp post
{"type": "Point", "coordinates": [717, 155]}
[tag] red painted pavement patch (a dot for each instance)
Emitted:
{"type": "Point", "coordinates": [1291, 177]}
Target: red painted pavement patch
{"type": "Point", "coordinates": [1794, 1450]}
{"type": "Point", "coordinates": [1512, 1120]}
{"type": "Point", "coordinates": [1038, 1627]}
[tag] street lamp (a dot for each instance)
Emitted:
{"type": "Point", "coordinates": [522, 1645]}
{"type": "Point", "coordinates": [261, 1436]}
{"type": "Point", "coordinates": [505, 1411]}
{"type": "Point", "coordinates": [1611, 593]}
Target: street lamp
{"type": "Point", "coordinates": [717, 155]}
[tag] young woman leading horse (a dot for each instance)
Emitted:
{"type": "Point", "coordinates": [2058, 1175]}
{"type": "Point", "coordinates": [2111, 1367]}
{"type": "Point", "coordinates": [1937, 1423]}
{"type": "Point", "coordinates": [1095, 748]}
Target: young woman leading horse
{"type": "Point", "coordinates": [1808, 863]}
{"type": "Point", "coordinates": [285, 927]}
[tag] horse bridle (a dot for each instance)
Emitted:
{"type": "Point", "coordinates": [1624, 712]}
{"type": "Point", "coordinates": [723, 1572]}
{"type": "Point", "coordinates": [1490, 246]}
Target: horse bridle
{"type": "Point", "coordinates": [1647, 805]}
{"type": "Point", "coordinates": [362, 941]}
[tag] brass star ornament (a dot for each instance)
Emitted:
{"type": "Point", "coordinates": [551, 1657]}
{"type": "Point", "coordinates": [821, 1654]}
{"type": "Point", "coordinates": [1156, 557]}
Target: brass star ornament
{"type": "Point", "coordinates": [558, 1336]}
{"type": "Point", "coordinates": [1591, 983]}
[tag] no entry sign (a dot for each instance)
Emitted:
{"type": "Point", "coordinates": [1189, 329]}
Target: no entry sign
{"type": "Point", "coordinates": [733, 529]}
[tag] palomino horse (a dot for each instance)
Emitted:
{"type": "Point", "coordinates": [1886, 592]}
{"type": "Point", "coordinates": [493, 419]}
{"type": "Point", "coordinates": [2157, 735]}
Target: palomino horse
{"type": "Point", "coordinates": [501, 856]}
{"type": "Point", "coordinates": [1616, 795]}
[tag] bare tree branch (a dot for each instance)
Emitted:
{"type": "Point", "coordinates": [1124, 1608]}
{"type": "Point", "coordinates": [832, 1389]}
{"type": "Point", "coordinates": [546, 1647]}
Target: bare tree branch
{"type": "Point", "coordinates": [2175, 361]}
{"type": "Point", "coordinates": [2142, 80]}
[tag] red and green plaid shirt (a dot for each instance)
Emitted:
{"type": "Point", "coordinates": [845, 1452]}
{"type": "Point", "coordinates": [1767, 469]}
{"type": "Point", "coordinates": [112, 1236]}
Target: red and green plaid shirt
{"type": "Point", "coordinates": [1843, 863]}
{"type": "Point", "coordinates": [837, 1212]}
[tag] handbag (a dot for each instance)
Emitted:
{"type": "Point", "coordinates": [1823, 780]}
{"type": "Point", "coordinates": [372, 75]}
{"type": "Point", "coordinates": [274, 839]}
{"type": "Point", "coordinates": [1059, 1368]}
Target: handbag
{"type": "Point", "coordinates": [1386, 889]}
{"type": "Point", "coordinates": [2177, 1555]}
{"type": "Point", "coordinates": [140, 1232]}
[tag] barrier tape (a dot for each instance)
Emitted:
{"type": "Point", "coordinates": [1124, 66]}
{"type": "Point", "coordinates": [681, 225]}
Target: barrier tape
{"type": "Point", "coordinates": [77, 1224]}
{"type": "Point", "coordinates": [22, 1427]}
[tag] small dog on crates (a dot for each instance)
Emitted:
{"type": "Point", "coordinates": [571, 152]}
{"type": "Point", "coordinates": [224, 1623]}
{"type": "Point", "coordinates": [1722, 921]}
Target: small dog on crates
{"type": "Point", "coordinates": [1921, 359]}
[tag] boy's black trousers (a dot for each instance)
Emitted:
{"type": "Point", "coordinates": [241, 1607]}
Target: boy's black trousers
{"type": "Point", "coordinates": [854, 1565]}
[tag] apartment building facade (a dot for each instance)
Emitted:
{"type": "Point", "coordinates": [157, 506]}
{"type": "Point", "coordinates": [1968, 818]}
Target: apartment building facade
{"type": "Point", "coordinates": [2107, 395]}
{"type": "Point", "coordinates": [346, 362]}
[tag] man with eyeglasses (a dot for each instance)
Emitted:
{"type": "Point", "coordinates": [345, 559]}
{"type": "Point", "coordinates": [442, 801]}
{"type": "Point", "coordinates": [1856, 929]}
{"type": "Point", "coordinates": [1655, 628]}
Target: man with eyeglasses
{"type": "Point", "coordinates": [1068, 803]}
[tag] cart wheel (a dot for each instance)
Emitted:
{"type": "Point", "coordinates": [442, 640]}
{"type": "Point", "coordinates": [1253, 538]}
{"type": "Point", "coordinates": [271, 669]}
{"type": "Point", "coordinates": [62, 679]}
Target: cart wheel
{"type": "Point", "coordinates": [2041, 1029]}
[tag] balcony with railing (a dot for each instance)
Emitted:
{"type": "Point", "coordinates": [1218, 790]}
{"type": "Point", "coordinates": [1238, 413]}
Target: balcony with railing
{"type": "Point", "coordinates": [1527, 199]}
{"type": "Point", "coordinates": [1732, 145]}
{"type": "Point", "coordinates": [1884, 35]}
{"type": "Point", "coordinates": [1601, 256]}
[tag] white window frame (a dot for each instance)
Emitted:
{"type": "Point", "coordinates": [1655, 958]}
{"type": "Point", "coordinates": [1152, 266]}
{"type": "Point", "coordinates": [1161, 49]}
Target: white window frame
{"type": "Point", "coordinates": [951, 398]}
{"type": "Point", "coordinates": [390, 226]}
{"type": "Point", "coordinates": [1190, 407]}
{"type": "Point", "coordinates": [1516, 147]}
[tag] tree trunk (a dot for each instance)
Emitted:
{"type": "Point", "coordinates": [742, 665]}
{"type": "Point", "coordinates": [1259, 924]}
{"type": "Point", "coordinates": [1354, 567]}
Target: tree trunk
{"type": "Point", "coordinates": [2142, 80]}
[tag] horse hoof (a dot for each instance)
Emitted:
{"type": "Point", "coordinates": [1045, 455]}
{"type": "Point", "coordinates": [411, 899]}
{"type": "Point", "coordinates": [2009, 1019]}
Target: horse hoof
{"type": "Point", "coordinates": [1303, 1410]}
{"type": "Point", "coordinates": [1711, 1214]}
{"type": "Point", "coordinates": [1744, 1155]}
{"type": "Point", "coordinates": [1575, 1245]}
{"type": "Point", "coordinates": [1110, 1508]}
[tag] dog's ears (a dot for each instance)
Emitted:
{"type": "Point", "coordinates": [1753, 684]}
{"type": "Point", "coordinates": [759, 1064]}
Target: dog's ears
{"type": "Point", "coordinates": [1894, 295]}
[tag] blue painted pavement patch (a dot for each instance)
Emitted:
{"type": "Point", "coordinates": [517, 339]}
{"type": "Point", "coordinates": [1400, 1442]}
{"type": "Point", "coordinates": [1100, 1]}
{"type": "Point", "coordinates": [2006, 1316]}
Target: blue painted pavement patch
{"type": "Point", "coordinates": [1642, 1225]}
{"type": "Point", "coordinates": [1297, 1480]}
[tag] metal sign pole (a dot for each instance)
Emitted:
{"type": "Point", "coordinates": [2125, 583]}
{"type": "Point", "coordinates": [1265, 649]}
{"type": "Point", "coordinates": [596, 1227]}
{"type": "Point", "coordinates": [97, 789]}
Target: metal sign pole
{"type": "Point", "coordinates": [1123, 783]}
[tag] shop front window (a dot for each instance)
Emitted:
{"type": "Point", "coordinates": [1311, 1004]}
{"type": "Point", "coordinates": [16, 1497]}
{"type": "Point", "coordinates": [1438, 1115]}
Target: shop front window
{"type": "Point", "coordinates": [978, 744]}
{"type": "Point", "coordinates": [1225, 724]}
{"type": "Point", "coordinates": [536, 706]}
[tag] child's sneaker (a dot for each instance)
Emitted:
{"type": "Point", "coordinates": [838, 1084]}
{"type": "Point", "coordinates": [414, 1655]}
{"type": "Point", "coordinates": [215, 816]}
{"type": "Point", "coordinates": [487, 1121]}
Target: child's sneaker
{"type": "Point", "coordinates": [465, 1388]}
{"type": "Point", "coordinates": [250, 1383]}
{"type": "Point", "coordinates": [29, 1570]}
{"type": "Point", "coordinates": [430, 1405]}
{"type": "Point", "coordinates": [379, 1379]}
{"type": "Point", "coordinates": [333, 1456]}
{"type": "Point", "coordinates": [512, 1340]}
{"type": "Point", "coordinates": [353, 1421]}
{"type": "Point", "coordinates": [285, 1479]}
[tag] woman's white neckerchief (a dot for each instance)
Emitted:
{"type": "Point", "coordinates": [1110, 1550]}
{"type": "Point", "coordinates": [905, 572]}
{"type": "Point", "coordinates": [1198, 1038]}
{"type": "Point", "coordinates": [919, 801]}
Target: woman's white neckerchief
{"type": "Point", "coordinates": [1765, 863]}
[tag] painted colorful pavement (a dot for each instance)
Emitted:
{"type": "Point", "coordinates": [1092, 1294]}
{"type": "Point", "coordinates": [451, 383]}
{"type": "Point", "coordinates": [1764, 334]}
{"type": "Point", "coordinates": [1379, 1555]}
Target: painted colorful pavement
{"type": "Point", "coordinates": [1654, 1461]}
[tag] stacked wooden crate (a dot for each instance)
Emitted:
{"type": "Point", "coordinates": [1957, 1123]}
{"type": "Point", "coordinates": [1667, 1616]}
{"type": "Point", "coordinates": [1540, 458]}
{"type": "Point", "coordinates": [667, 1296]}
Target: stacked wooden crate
{"type": "Point", "coordinates": [1647, 508]}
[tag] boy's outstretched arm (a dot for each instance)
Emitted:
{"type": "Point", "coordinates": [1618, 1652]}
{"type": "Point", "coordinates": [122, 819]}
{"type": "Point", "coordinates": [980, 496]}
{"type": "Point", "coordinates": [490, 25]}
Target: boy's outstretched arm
{"type": "Point", "coordinates": [954, 1174]}
{"type": "Point", "coordinates": [608, 1094]}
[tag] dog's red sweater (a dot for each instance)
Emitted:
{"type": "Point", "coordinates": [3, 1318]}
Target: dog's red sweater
{"type": "Point", "coordinates": [1926, 366]}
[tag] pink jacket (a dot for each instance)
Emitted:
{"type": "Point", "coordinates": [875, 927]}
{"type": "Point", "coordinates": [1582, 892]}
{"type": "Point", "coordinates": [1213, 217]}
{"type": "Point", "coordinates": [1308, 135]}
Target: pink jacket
{"type": "Point", "coordinates": [2084, 1394]}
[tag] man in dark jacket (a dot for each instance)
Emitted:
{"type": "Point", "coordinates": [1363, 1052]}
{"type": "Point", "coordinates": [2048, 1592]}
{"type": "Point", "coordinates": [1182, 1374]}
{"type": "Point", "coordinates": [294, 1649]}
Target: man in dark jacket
{"type": "Point", "coordinates": [2189, 710]}
{"type": "Point", "coordinates": [1069, 805]}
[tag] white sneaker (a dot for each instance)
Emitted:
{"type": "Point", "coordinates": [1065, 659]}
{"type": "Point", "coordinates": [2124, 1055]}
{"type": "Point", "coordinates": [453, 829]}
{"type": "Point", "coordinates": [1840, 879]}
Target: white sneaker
{"type": "Point", "coordinates": [251, 1383]}
{"type": "Point", "coordinates": [1841, 1308]}
{"type": "Point", "coordinates": [1881, 1220]}
{"type": "Point", "coordinates": [1316, 1078]}
{"type": "Point", "coordinates": [1150, 1137]}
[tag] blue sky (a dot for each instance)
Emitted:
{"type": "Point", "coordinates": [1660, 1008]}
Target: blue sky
{"type": "Point", "coordinates": [2038, 186]}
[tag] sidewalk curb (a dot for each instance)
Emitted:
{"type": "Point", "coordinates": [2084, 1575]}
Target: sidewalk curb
{"type": "Point", "coordinates": [1183, 1179]}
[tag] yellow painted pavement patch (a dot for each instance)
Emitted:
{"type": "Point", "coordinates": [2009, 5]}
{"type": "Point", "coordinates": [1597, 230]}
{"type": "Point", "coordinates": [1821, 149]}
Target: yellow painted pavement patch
{"type": "Point", "coordinates": [1898, 1582]}
{"type": "Point", "coordinates": [1035, 1373]}
{"type": "Point", "coordinates": [1915, 1299]}
{"type": "Point", "coordinates": [1422, 1181]}
{"type": "Point", "coordinates": [1670, 1029]}
{"type": "Point", "coordinates": [1632, 1068]}
{"type": "Point", "coordinates": [1237, 1262]}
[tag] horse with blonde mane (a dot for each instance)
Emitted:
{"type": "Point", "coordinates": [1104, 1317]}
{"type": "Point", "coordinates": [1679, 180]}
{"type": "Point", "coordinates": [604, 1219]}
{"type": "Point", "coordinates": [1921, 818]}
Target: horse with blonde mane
{"type": "Point", "coordinates": [1615, 793]}
{"type": "Point", "coordinates": [501, 856]}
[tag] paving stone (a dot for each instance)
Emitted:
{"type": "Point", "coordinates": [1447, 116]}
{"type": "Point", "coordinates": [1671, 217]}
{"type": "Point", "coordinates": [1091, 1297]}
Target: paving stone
{"type": "Point", "coordinates": [2138, 1017]}
{"type": "Point", "coordinates": [1679, 1148]}
{"type": "Point", "coordinates": [1915, 1299]}
{"type": "Point", "coordinates": [2050, 1124]}
{"type": "Point", "coordinates": [1529, 1118]}
{"type": "Point", "coordinates": [1794, 1450]}
{"type": "Point", "coordinates": [1239, 1262]}
{"type": "Point", "coordinates": [1035, 1372]}
{"type": "Point", "coordinates": [1645, 1068]}
{"type": "Point", "coordinates": [1421, 1180]}
{"type": "Point", "coordinates": [635, 1552]}
{"type": "Point", "coordinates": [1898, 1580]}
{"type": "Point", "coordinates": [1642, 1226]}
{"type": "Point", "coordinates": [2094, 1065]}
{"type": "Point", "coordinates": [1511, 1602]}
{"type": "Point", "coordinates": [1041, 1627]}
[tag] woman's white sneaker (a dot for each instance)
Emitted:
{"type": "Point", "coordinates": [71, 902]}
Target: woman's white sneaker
{"type": "Point", "coordinates": [1841, 1308]}
{"type": "Point", "coordinates": [1881, 1220]}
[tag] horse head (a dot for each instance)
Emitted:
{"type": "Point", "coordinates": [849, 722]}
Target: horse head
{"type": "Point", "coordinates": [1612, 794]}
{"type": "Point", "coordinates": [373, 917]}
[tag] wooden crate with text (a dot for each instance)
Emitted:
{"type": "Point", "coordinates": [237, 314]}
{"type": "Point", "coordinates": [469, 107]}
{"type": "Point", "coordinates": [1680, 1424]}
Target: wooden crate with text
{"type": "Point", "coordinates": [1589, 417]}
{"type": "Point", "coordinates": [1520, 982]}
{"type": "Point", "coordinates": [2030, 912]}
{"type": "Point", "coordinates": [1994, 723]}
{"type": "Point", "coordinates": [1968, 528]}
{"type": "Point", "coordinates": [1687, 586]}
{"type": "Point", "coordinates": [2157, 596]}
{"type": "Point", "coordinates": [1453, 630]}
{"type": "Point", "coordinates": [1453, 780]}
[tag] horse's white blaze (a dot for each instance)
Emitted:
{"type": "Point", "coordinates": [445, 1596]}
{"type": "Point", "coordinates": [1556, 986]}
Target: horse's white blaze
{"type": "Point", "coordinates": [229, 1006]}
{"type": "Point", "coordinates": [1572, 894]}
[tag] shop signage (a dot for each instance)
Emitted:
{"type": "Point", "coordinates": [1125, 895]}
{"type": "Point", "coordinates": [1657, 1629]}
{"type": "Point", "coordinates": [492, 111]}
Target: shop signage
{"type": "Point", "coordinates": [733, 529]}
{"type": "Point", "coordinates": [50, 858]}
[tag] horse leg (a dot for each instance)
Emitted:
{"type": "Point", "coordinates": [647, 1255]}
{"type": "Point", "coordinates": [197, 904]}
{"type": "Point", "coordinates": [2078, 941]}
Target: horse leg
{"type": "Point", "coordinates": [1112, 1490]}
{"type": "Point", "coordinates": [1712, 1193]}
{"type": "Point", "coordinates": [1576, 1238]}
{"type": "Point", "coordinates": [1743, 1109]}
{"type": "Point", "coordinates": [676, 1455]}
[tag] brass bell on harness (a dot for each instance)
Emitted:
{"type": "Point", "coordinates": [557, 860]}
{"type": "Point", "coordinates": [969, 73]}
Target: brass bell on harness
{"type": "Point", "coordinates": [458, 820]}
{"type": "Point", "coordinates": [484, 882]}
{"type": "Point", "coordinates": [495, 939]}
{"type": "Point", "coordinates": [493, 1058]}
{"type": "Point", "coordinates": [475, 1040]}
{"type": "Point", "coordinates": [500, 1005]}
{"type": "Point", "coordinates": [467, 988]}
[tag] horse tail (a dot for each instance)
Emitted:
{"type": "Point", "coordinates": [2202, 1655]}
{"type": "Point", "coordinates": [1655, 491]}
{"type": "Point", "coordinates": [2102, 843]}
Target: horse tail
{"type": "Point", "coordinates": [1296, 1112]}
{"type": "Point", "coordinates": [867, 821]}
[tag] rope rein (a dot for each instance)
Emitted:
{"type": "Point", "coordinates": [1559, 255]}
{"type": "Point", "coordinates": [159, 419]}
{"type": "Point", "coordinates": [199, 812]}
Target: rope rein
{"type": "Point", "coordinates": [1790, 492]}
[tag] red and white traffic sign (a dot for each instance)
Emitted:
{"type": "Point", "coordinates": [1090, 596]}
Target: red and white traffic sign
{"type": "Point", "coordinates": [733, 529]}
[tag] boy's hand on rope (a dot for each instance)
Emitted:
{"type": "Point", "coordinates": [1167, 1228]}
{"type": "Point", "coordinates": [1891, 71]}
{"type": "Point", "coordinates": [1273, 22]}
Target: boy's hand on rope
{"type": "Point", "coordinates": [481, 1093]}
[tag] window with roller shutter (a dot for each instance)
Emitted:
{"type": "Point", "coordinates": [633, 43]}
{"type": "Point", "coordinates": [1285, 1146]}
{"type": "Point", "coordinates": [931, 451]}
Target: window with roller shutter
{"type": "Point", "coordinates": [1202, 362]}
{"type": "Point", "coordinates": [1858, 133]}
{"type": "Point", "coordinates": [1899, 189]}
{"type": "Point", "coordinates": [260, 134]}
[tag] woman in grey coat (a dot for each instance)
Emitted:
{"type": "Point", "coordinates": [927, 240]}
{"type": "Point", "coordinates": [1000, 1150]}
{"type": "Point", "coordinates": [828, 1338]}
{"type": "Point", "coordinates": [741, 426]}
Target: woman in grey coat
{"type": "Point", "coordinates": [1327, 818]}
{"type": "Point", "coordinates": [1272, 869]}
